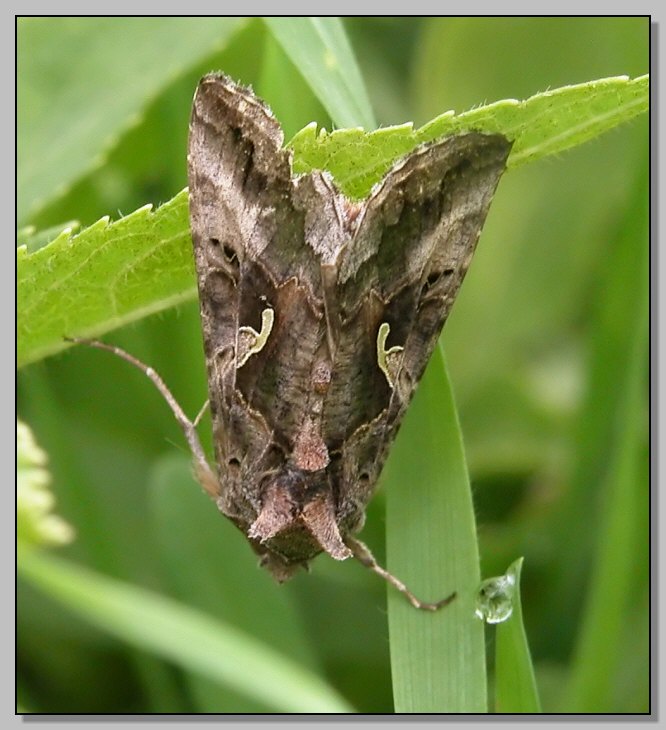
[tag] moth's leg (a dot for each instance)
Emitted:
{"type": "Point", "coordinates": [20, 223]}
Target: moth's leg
{"type": "Point", "coordinates": [363, 555]}
{"type": "Point", "coordinates": [205, 475]}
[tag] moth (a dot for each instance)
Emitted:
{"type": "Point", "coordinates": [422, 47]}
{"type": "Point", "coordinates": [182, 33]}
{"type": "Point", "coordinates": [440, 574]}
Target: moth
{"type": "Point", "coordinates": [319, 315]}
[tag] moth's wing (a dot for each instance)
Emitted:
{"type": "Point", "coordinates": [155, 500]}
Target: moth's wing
{"type": "Point", "coordinates": [417, 237]}
{"type": "Point", "coordinates": [249, 221]}
{"type": "Point", "coordinates": [413, 244]}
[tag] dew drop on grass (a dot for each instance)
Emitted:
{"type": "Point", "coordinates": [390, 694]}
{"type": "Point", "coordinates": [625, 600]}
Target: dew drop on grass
{"type": "Point", "coordinates": [494, 601]}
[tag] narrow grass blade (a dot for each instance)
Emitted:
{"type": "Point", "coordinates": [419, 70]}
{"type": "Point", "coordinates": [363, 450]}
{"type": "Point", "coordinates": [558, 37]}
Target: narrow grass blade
{"type": "Point", "coordinates": [226, 582]}
{"type": "Point", "coordinates": [515, 685]}
{"type": "Point", "coordinates": [188, 637]}
{"type": "Point", "coordinates": [620, 549]}
{"type": "Point", "coordinates": [320, 49]}
{"type": "Point", "coordinates": [437, 659]}
{"type": "Point", "coordinates": [289, 95]}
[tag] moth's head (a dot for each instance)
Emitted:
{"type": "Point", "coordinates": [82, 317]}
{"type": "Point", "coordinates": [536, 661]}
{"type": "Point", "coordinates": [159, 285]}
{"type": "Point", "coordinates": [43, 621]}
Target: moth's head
{"type": "Point", "coordinates": [297, 520]}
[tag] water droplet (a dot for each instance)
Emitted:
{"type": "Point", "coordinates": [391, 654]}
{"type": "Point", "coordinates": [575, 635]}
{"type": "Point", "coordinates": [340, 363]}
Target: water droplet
{"type": "Point", "coordinates": [494, 601]}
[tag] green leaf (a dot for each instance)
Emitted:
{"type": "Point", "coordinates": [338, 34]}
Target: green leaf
{"type": "Point", "coordinates": [107, 276]}
{"type": "Point", "coordinates": [544, 124]}
{"type": "Point", "coordinates": [34, 240]}
{"type": "Point", "coordinates": [145, 261]}
{"type": "Point", "coordinates": [183, 635]}
{"type": "Point", "coordinates": [74, 104]}
{"type": "Point", "coordinates": [319, 48]}
{"type": "Point", "coordinates": [437, 660]}
{"type": "Point", "coordinates": [515, 685]}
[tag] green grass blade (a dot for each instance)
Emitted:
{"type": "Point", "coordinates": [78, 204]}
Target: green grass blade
{"type": "Point", "coordinates": [191, 532]}
{"type": "Point", "coordinates": [613, 325]}
{"type": "Point", "coordinates": [182, 635]}
{"type": "Point", "coordinates": [320, 49]}
{"type": "Point", "coordinates": [620, 548]}
{"type": "Point", "coordinates": [437, 660]}
{"type": "Point", "coordinates": [288, 94]}
{"type": "Point", "coordinates": [609, 595]}
{"type": "Point", "coordinates": [70, 116]}
{"type": "Point", "coordinates": [515, 685]}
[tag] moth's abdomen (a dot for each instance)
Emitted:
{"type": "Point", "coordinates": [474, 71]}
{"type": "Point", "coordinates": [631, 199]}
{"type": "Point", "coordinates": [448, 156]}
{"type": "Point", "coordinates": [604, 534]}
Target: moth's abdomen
{"type": "Point", "coordinates": [297, 519]}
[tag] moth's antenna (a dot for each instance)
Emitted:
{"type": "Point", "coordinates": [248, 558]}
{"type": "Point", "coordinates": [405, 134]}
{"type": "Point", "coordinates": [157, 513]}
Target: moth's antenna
{"type": "Point", "coordinates": [205, 475]}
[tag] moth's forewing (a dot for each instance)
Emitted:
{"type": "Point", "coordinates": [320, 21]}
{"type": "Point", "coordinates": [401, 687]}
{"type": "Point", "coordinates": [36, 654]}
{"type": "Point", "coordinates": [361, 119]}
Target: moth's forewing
{"type": "Point", "coordinates": [234, 150]}
{"type": "Point", "coordinates": [404, 266]}
{"type": "Point", "coordinates": [259, 241]}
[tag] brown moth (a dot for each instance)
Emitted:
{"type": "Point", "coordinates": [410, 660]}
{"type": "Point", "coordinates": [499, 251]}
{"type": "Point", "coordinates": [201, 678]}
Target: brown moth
{"type": "Point", "coordinates": [319, 315]}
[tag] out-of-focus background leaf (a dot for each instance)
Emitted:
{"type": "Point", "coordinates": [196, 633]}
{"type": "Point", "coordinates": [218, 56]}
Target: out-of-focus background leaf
{"type": "Point", "coordinates": [546, 352]}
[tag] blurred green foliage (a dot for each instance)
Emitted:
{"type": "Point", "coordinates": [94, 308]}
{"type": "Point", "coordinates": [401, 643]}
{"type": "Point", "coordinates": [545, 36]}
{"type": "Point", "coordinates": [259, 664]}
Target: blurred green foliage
{"type": "Point", "coordinates": [547, 351]}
